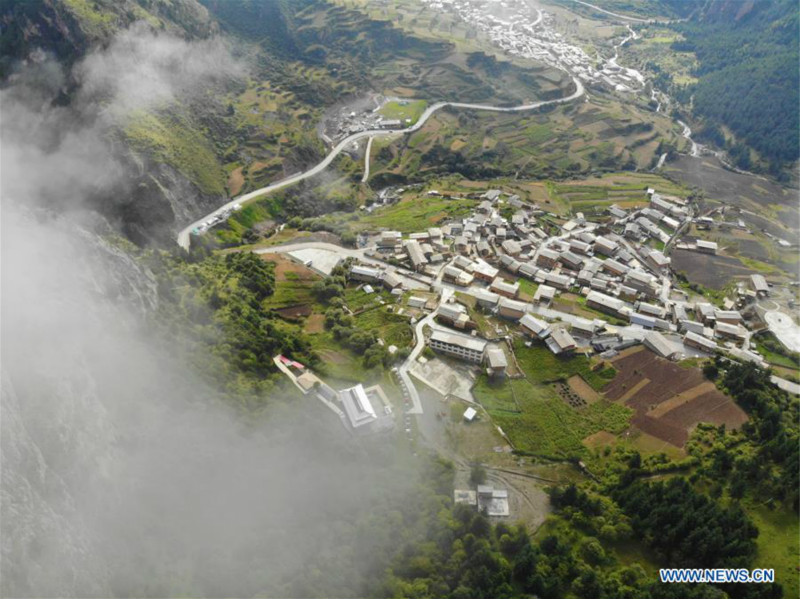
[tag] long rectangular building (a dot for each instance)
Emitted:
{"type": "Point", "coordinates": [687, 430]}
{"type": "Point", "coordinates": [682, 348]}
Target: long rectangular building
{"type": "Point", "coordinates": [660, 345]}
{"type": "Point", "coordinates": [458, 346]}
{"type": "Point", "coordinates": [604, 303]}
{"type": "Point", "coordinates": [416, 255]}
{"type": "Point", "coordinates": [760, 284]}
{"type": "Point", "coordinates": [698, 341]}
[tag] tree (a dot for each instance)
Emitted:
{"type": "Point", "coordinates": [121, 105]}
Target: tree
{"type": "Point", "coordinates": [477, 475]}
{"type": "Point", "coordinates": [710, 371]}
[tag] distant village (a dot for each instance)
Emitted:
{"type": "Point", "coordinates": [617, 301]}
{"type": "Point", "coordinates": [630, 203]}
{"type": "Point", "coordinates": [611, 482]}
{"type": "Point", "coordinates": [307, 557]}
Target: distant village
{"type": "Point", "coordinates": [526, 33]}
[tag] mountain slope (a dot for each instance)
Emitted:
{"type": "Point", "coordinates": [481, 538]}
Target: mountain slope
{"type": "Point", "coordinates": [747, 74]}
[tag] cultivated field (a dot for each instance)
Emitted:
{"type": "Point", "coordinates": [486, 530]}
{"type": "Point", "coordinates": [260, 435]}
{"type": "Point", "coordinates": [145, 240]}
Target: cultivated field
{"type": "Point", "coordinates": [535, 414]}
{"type": "Point", "coordinates": [414, 213]}
{"type": "Point", "coordinates": [714, 272]}
{"type": "Point", "coordinates": [293, 282]}
{"type": "Point", "coordinates": [669, 400]}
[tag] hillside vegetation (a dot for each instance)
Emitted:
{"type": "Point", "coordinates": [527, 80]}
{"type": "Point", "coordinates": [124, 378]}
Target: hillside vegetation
{"type": "Point", "coordinates": [747, 76]}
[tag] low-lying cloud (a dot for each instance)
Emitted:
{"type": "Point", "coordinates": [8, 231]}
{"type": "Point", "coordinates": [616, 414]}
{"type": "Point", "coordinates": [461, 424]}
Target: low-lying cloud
{"type": "Point", "coordinates": [142, 69]}
{"type": "Point", "coordinates": [61, 149]}
{"type": "Point", "coordinates": [122, 473]}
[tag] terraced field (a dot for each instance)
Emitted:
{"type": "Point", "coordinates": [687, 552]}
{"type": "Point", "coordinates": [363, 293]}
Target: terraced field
{"type": "Point", "coordinates": [669, 400]}
{"type": "Point", "coordinates": [600, 135]}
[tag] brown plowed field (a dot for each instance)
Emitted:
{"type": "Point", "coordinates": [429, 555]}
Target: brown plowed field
{"type": "Point", "coordinates": [665, 431]}
{"type": "Point", "coordinates": [669, 400]}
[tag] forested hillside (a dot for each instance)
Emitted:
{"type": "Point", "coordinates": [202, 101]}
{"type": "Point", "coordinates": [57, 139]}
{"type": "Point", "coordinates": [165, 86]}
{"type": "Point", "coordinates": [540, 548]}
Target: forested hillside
{"type": "Point", "coordinates": [747, 77]}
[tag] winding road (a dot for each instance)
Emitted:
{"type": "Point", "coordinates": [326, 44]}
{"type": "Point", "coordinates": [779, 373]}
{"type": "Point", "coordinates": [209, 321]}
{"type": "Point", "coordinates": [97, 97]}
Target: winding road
{"type": "Point", "coordinates": [614, 14]}
{"type": "Point", "coordinates": [184, 237]}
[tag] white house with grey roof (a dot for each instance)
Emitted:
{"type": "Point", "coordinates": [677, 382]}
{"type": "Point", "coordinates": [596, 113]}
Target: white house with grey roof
{"type": "Point", "coordinates": [462, 347]}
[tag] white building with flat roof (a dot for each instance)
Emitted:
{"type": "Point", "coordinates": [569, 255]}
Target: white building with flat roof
{"type": "Point", "coordinates": [544, 294]}
{"type": "Point", "coordinates": [493, 501]}
{"type": "Point", "coordinates": [707, 247]}
{"type": "Point", "coordinates": [496, 362]}
{"type": "Point", "coordinates": [462, 347]}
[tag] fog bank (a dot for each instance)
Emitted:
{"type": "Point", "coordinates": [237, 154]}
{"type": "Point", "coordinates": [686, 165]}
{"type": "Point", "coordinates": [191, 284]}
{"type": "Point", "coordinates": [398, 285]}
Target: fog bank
{"type": "Point", "coordinates": [122, 473]}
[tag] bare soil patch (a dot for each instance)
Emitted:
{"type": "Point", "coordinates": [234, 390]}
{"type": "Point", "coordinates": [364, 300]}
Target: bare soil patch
{"type": "Point", "coordinates": [710, 271]}
{"type": "Point", "coordinates": [235, 181]}
{"type": "Point", "coordinates": [294, 312]}
{"type": "Point", "coordinates": [287, 269]}
{"type": "Point", "coordinates": [680, 398]}
{"type": "Point", "coordinates": [329, 355]}
{"type": "Point", "coordinates": [634, 390]}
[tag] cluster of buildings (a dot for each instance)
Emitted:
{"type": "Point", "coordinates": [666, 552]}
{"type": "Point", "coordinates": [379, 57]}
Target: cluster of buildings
{"type": "Point", "coordinates": [608, 268]}
{"type": "Point", "coordinates": [487, 499]}
{"type": "Point", "coordinates": [520, 31]}
{"type": "Point", "coordinates": [362, 116]}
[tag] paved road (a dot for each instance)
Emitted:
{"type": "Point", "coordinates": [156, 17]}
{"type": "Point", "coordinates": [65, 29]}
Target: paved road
{"type": "Point", "coordinates": [787, 386]}
{"type": "Point", "coordinates": [402, 370]}
{"type": "Point", "coordinates": [419, 335]}
{"type": "Point", "coordinates": [614, 14]}
{"type": "Point", "coordinates": [184, 237]}
{"type": "Point", "coordinates": [366, 160]}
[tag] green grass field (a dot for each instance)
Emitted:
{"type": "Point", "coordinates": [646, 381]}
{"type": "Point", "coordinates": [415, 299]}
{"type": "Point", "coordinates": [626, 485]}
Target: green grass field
{"type": "Point", "coordinates": [527, 286]}
{"type": "Point", "coordinates": [415, 214]}
{"type": "Point", "coordinates": [290, 293]}
{"type": "Point", "coordinates": [173, 138]}
{"type": "Point", "coordinates": [546, 424]}
{"type": "Point", "coordinates": [535, 417]}
{"type": "Point", "coordinates": [778, 546]}
{"type": "Point", "coordinates": [341, 366]}
{"type": "Point", "coordinates": [390, 327]}
{"type": "Point", "coordinates": [543, 366]}
{"type": "Point", "coordinates": [356, 299]}
{"type": "Point", "coordinates": [404, 109]}
{"type": "Point", "coordinates": [773, 357]}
